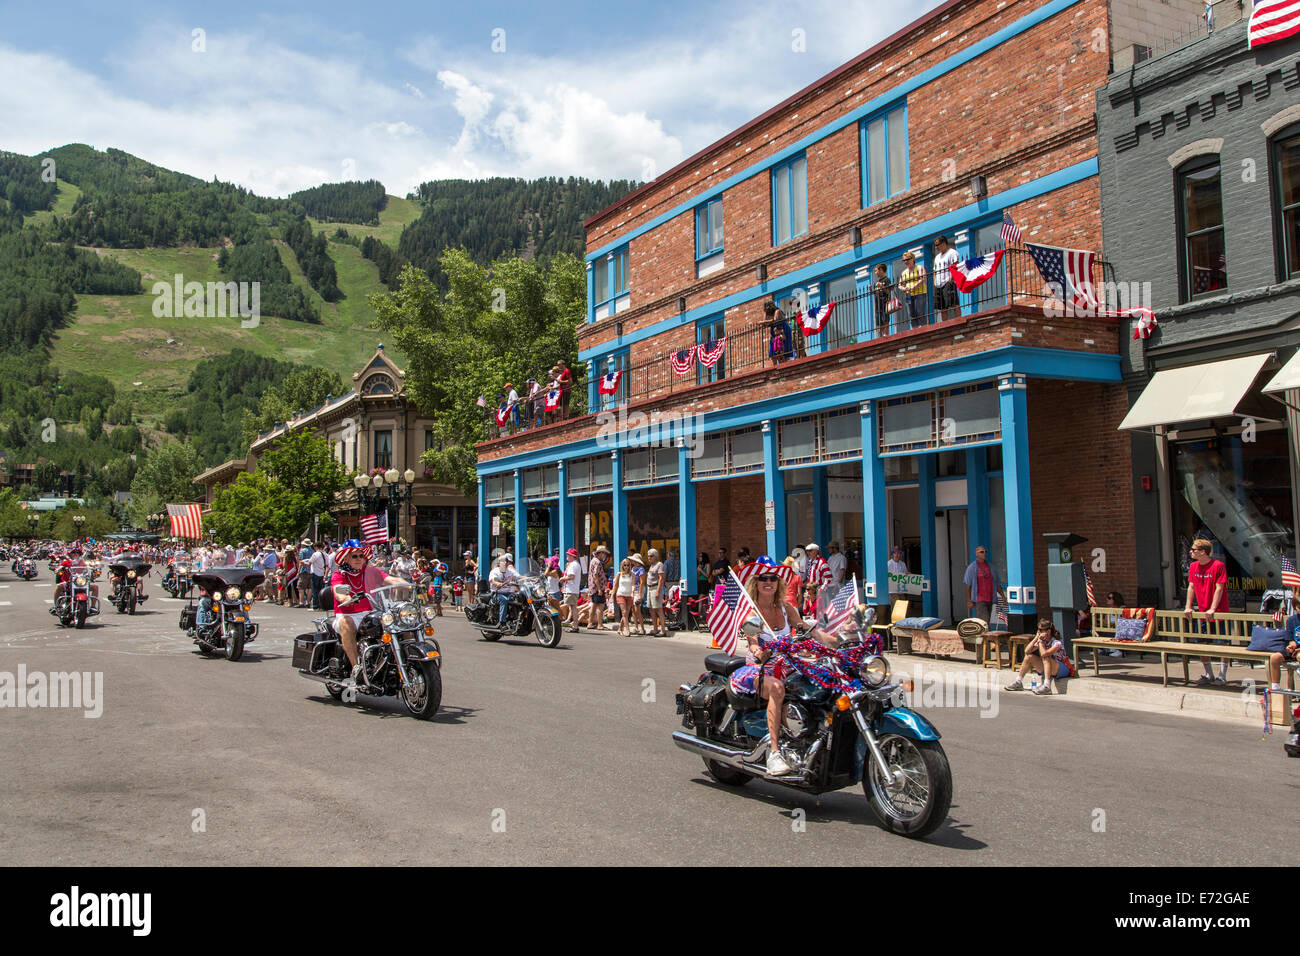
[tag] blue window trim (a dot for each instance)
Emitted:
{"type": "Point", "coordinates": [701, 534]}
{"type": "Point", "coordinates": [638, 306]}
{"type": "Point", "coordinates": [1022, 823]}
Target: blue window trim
{"type": "Point", "coordinates": [864, 154]}
{"type": "Point", "coordinates": [618, 283]}
{"type": "Point", "coordinates": [702, 374]}
{"type": "Point", "coordinates": [705, 208]}
{"type": "Point", "coordinates": [785, 169]}
{"type": "Point", "coordinates": [597, 401]}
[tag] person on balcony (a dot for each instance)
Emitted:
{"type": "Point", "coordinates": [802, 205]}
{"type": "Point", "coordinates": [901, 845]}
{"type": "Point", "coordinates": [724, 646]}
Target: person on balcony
{"type": "Point", "coordinates": [882, 289]}
{"type": "Point", "coordinates": [564, 379]}
{"type": "Point", "coordinates": [946, 301]}
{"type": "Point", "coordinates": [781, 338]}
{"type": "Point", "coordinates": [536, 403]}
{"type": "Point", "coordinates": [913, 284]}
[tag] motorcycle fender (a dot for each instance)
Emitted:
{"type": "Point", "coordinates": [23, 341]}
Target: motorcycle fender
{"type": "Point", "coordinates": [905, 723]}
{"type": "Point", "coordinates": [420, 650]}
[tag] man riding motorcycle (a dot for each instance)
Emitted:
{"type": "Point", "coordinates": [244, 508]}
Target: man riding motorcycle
{"type": "Point", "coordinates": [354, 572]}
{"type": "Point", "coordinates": [139, 579]}
{"type": "Point", "coordinates": [64, 574]}
{"type": "Point", "coordinates": [503, 583]}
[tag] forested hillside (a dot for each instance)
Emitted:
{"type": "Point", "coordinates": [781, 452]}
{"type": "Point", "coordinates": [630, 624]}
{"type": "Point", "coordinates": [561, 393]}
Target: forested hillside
{"type": "Point", "coordinates": [344, 202]}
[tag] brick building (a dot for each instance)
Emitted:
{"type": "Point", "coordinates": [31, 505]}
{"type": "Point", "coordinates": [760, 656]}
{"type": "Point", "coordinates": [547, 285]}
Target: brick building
{"type": "Point", "coordinates": [936, 425]}
{"type": "Point", "coordinates": [1203, 136]}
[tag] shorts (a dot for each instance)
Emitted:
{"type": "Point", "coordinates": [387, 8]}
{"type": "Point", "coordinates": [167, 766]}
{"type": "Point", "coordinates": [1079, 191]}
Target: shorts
{"type": "Point", "coordinates": [654, 599]}
{"type": "Point", "coordinates": [356, 616]}
{"type": "Point", "coordinates": [437, 594]}
{"type": "Point", "coordinates": [945, 297]}
{"type": "Point", "coordinates": [1062, 670]}
{"type": "Point", "coordinates": [571, 600]}
{"type": "Point", "coordinates": [598, 598]}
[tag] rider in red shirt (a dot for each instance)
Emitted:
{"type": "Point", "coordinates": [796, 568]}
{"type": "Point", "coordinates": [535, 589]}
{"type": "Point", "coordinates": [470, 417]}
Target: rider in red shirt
{"type": "Point", "coordinates": [354, 572]}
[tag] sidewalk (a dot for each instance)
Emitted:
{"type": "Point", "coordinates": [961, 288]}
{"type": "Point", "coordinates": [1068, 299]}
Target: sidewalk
{"type": "Point", "coordinates": [1126, 683]}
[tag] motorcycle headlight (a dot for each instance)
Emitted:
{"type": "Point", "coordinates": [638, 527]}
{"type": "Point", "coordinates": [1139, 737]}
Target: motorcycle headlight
{"type": "Point", "coordinates": [79, 581]}
{"type": "Point", "coordinates": [387, 618]}
{"type": "Point", "coordinates": [874, 671]}
{"type": "Point", "coordinates": [429, 614]}
{"type": "Point", "coordinates": [409, 616]}
{"type": "Point", "coordinates": [130, 574]}
{"type": "Point", "coordinates": [232, 593]}
{"type": "Point", "coordinates": [248, 595]}
{"type": "Point", "coordinates": [539, 591]}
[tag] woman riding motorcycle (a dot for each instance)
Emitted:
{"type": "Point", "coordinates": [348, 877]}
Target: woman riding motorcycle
{"type": "Point", "coordinates": [766, 589]}
{"type": "Point", "coordinates": [353, 579]}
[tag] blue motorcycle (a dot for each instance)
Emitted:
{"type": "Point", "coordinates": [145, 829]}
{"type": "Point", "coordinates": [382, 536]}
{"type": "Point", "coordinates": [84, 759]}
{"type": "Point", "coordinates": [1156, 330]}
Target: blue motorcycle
{"type": "Point", "coordinates": [845, 723]}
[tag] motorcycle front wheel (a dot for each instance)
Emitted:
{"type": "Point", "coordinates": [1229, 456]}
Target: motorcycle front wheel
{"type": "Point", "coordinates": [916, 803]}
{"type": "Point", "coordinates": [235, 643]}
{"type": "Point", "coordinates": [547, 631]}
{"type": "Point", "coordinates": [423, 694]}
{"type": "Point", "coordinates": [81, 618]}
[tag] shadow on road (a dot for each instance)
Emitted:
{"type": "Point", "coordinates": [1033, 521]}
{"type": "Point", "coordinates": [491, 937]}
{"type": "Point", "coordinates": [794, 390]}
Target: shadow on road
{"type": "Point", "coordinates": [385, 707]}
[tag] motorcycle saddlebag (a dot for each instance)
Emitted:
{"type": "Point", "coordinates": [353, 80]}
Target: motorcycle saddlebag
{"type": "Point", "coordinates": [313, 651]}
{"type": "Point", "coordinates": [188, 615]}
{"type": "Point", "coordinates": [705, 703]}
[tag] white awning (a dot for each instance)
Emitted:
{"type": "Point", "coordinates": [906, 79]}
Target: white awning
{"type": "Point", "coordinates": [1287, 377]}
{"type": "Point", "coordinates": [1195, 392]}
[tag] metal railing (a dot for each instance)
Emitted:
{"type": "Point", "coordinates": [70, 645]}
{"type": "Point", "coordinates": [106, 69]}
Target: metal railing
{"type": "Point", "coordinates": [857, 318]}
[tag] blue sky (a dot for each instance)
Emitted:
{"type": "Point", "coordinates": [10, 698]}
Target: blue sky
{"type": "Point", "coordinates": [301, 94]}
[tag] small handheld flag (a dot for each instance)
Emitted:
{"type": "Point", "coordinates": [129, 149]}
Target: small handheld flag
{"type": "Point", "coordinates": [482, 401]}
{"type": "Point", "coordinates": [1290, 577]}
{"type": "Point", "coordinates": [374, 528]}
{"type": "Point", "coordinates": [840, 608]}
{"type": "Point", "coordinates": [1010, 231]}
{"type": "Point", "coordinates": [729, 613]}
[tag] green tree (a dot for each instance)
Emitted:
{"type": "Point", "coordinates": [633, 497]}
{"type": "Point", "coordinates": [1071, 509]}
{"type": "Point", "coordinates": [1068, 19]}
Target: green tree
{"type": "Point", "coordinates": [165, 477]}
{"type": "Point", "coordinates": [255, 505]}
{"type": "Point", "coordinates": [97, 523]}
{"type": "Point", "coordinates": [300, 390]}
{"type": "Point", "coordinates": [301, 464]}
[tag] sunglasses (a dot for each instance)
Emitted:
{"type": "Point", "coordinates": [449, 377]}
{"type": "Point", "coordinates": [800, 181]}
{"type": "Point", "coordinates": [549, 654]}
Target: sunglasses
{"type": "Point", "coordinates": [767, 578]}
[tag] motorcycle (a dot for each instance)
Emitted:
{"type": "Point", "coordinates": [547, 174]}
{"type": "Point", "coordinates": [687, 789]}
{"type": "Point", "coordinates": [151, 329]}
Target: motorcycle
{"type": "Point", "coordinates": [231, 592]}
{"type": "Point", "coordinates": [845, 722]}
{"type": "Point", "coordinates": [126, 594]}
{"type": "Point", "coordinates": [178, 581]}
{"type": "Point", "coordinates": [395, 647]}
{"type": "Point", "coordinates": [526, 612]}
{"type": "Point", "coordinates": [77, 603]}
{"type": "Point", "coordinates": [26, 569]}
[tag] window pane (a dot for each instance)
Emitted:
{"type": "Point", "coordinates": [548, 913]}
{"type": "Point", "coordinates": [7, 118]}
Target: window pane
{"type": "Point", "coordinates": [844, 434]}
{"type": "Point", "coordinates": [973, 413]}
{"type": "Point", "coordinates": [579, 474]}
{"type": "Point", "coordinates": [782, 200]}
{"type": "Point", "coordinates": [1206, 262]}
{"type": "Point", "coordinates": [715, 216]}
{"type": "Point", "coordinates": [601, 276]}
{"type": "Point", "coordinates": [602, 473]}
{"type": "Point", "coordinates": [897, 152]}
{"type": "Point", "coordinates": [665, 464]}
{"type": "Point", "coordinates": [701, 231]}
{"type": "Point", "coordinates": [798, 439]}
{"type": "Point", "coordinates": [636, 466]}
{"type": "Point", "coordinates": [799, 195]}
{"type": "Point", "coordinates": [532, 482]}
{"type": "Point", "coordinates": [876, 159]}
{"type": "Point", "coordinates": [907, 423]}
{"type": "Point", "coordinates": [1288, 177]}
{"type": "Point", "coordinates": [1202, 204]}
{"type": "Point", "coordinates": [712, 456]}
{"type": "Point", "coordinates": [747, 449]}
{"type": "Point", "coordinates": [620, 261]}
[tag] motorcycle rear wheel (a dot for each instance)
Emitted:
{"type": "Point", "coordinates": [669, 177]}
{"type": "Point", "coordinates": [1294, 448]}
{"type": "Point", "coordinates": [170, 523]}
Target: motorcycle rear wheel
{"type": "Point", "coordinates": [919, 804]}
{"type": "Point", "coordinates": [423, 695]}
{"type": "Point", "coordinates": [724, 774]}
{"type": "Point", "coordinates": [547, 631]}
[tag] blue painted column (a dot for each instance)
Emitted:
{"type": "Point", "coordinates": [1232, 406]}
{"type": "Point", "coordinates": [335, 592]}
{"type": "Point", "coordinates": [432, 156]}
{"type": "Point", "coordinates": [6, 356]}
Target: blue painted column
{"type": "Point", "coordinates": [619, 508]}
{"type": "Point", "coordinates": [562, 514]}
{"type": "Point", "coordinates": [686, 518]}
{"type": "Point", "coordinates": [1021, 593]}
{"type": "Point", "coordinates": [875, 513]}
{"type": "Point", "coordinates": [925, 472]}
{"type": "Point", "coordinates": [484, 529]}
{"type": "Point", "coordinates": [821, 510]}
{"type": "Point", "coordinates": [774, 491]}
{"type": "Point", "coordinates": [591, 292]}
{"type": "Point", "coordinates": [521, 524]}
{"type": "Point", "coordinates": [977, 500]}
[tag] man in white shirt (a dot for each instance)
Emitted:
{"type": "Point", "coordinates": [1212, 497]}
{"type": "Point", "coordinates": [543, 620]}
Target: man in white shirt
{"type": "Point", "coordinates": [946, 303]}
{"type": "Point", "coordinates": [502, 583]}
{"type": "Point", "coordinates": [656, 580]}
{"type": "Point", "coordinates": [835, 561]}
{"type": "Point", "coordinates": [571, 584]}
{"type": "Point", "coordinates": [317, 565]}
{"type": "Point", "coordinates": [897, 566]}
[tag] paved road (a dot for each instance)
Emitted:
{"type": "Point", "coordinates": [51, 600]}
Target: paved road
{"type": "Point", "coordinates": [561, 746]}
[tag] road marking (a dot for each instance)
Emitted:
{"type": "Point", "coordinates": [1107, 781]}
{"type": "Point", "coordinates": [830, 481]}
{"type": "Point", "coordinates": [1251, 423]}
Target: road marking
{"type": "Point", "coordinates": [40, 585]}
{"type": "Point", "coordinates": [47, 601]}
{"type": "Point", "coordinates": [10, 603]}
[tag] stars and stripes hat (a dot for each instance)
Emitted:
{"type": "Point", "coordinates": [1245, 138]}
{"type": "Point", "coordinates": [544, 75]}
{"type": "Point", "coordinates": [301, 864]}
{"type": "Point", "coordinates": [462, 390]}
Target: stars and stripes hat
{"type": "Point", "coordinates": [351, 547]}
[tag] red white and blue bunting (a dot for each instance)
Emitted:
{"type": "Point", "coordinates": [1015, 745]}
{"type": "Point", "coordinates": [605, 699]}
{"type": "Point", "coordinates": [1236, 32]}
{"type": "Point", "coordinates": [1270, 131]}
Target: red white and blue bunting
{"type": "Point", "coordinates": [710, 352]}
{"type": "Point", "coordinates": [609, 382]}
{"type": "Point", "coordinates": [815, 319]}
{"type": "Point", "coordinates": [683, 361]}
{"type": "Point", "coordinates": [973, 273]}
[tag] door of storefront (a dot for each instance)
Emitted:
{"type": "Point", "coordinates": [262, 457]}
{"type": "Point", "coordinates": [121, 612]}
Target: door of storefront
{"type": "Point", "coordinates": [952, 545]}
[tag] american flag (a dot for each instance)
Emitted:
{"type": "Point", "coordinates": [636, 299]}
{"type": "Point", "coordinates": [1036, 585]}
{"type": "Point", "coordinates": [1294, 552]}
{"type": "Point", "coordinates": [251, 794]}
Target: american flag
{"type": "Point", "coordinates": [1273, 20]}
{"type": "Point", "coordinates": [729, 613]}
{"type": "Point", "coordinates": [482, 401]}
{"type": "Point", "coordinates": [374, 528]}
{"type": "Point", "coordinates": [683, 361]}
{"type": "Point", "coordinates": [186, 520]}
{"type": "Point", "coordinates": [1290, 577]}
{"type": "Point", "coordinates": [1010, 231]}
{"type": "Point", "coordinates": [1087, 584]}
{"type": "Point", "coordinates": [1069, 270]}
{"type": "Point", "coordinates": [841, 607]}
{"type": "Point", "coordinates": [1001, 616]}
{"type": "Point", "coordinates": [710, 352]}
{"type": "Point", "coordinates": [815, 319]}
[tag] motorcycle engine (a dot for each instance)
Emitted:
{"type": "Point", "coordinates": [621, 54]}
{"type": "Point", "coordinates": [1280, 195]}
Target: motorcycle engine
{"type": "Point", "coordinates": [798, 723]}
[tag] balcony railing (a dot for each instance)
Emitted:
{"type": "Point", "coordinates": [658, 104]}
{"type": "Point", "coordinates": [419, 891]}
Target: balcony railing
{"type": "Point", "coordinates": [856, 318]}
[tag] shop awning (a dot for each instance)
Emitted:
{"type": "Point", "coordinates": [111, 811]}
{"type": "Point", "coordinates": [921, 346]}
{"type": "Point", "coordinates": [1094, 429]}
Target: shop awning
{"type": "Point", "coordinates": [1287, 377]}
{"type": "Point", "coordinates": [1195, 392]}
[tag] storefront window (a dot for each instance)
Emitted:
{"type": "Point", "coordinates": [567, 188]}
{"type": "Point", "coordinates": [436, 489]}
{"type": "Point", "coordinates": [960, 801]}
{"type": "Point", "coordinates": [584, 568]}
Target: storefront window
{"type": "Point", "coordinates": [1237, 494]}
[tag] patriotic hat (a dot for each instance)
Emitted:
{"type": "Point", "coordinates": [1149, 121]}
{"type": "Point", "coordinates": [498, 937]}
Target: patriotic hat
{"type": "Point", "coordinates": [350, 548]}
{"type": "Point", "coordinates": [765, 565]}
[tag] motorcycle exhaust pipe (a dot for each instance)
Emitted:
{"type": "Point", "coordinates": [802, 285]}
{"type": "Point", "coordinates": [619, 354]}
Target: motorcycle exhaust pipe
{"type": "Point", "coordinates": [719, 752]}
{"type": "Point", "coordinates": [322, 678]}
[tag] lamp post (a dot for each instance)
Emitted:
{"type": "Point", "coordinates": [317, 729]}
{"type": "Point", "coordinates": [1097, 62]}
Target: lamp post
{"type": "Point", "coordinates": [77, 521]}
{"type": "Point", "coordinates": [391, 489]}
{"type": "Point", "coordinates": [33, 520]}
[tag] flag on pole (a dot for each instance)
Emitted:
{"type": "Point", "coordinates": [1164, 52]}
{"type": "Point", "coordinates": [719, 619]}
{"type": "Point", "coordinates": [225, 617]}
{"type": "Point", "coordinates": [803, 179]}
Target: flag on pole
{"type": "Point", "coordinates": [973, 273]}
{"type": "Point", "coordinates": [1001, 616]}
{"type": "Point", "coordinates": [729, 613]}
{"type": "Point", "coordinates": [841, 607]}
{"type": "Point", "coordinates": [1087, 585]}
{"type": "Point", "coordinates": [683, 361]}
{"type": "Point", "coordinates": [1273, 20]}
{"type": "Point", "coordinates": [186, 521]}
{"type": "Point", "coordinates": [482, 401]}
{"type": "Point", "coordinates": [815, 319]}
{"type": "Point", "coordinates": [1290, 577]}
{"type": "Point", "coordinates": [710, 352]}
{"type": "Point", "coordinates": [1070, 272]}
{"type": "Point", "coordinates": [374, 528]}
{"type": "Point", "coordinates": [609, 382]}
{"type": "Point", "coordinates": [1010, 231]}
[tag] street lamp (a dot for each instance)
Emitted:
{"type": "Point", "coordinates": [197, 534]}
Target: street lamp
{"type": "Point", "coordinates": [390, 489]}
{"type": "Point", "coordinates": [77, 522]}
{"type": "Point", "coordinates": [33, 520]}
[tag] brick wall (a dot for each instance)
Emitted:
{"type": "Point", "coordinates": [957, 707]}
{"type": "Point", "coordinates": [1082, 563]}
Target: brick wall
{"type": "Point", "coordinates": [729, 514]}
{"type": "Point", "coordinates": [1080, 479]}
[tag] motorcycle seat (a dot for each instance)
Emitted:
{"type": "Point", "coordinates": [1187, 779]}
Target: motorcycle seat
{"type": "Point", "coordinates": [722, 664]}
{"type": "Point", "coordinates": [743, 703]}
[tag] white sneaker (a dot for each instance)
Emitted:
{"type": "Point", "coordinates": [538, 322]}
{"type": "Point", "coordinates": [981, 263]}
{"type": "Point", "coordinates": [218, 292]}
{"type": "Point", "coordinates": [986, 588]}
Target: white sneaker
{"type": "Point", "coordinates": [776, 765]}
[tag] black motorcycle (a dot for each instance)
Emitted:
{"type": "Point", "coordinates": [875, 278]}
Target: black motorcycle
{"type": "Point", "coordinates": [396, 650]}
{"type": "Point", "coordinates": [126, 589]}
{"type": "Point", "coordinates": [228, 592]}
{"type": "Point", "coordinates": [844, 722]}
{"type": "Point", "coordinates": [25, 568]}
{"type": "Point", "coordinates": [179, 579]}
{"type": "Point", "coordinates": [77, 602]}
{"type": "Point", "coordinates": [527, 612]}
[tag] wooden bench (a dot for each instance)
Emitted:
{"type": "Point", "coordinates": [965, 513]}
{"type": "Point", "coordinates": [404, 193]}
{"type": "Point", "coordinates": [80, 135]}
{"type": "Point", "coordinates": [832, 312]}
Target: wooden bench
{"type": "Point", "coordinates": [1177, 636]}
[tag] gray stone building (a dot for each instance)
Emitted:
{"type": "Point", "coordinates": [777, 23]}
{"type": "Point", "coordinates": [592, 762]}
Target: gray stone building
{"type": "Point", "coordinates": [1200, 189]}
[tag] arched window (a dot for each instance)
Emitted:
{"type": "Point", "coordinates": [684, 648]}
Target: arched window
{"type": "Point", "coordinates": [1202, 253]}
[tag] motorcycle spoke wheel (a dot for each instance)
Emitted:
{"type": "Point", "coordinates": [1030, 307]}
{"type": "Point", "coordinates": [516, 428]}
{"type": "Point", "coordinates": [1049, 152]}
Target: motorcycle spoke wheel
{"type": "Point", "coordinates": [547, 630]}
{"type": "Point", "coordinates": [916, 801]}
